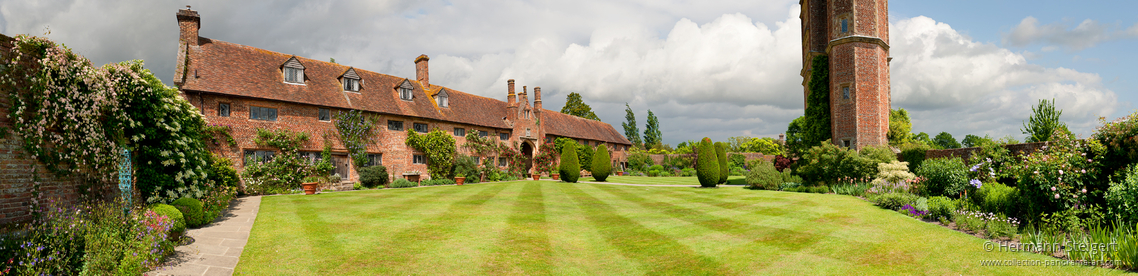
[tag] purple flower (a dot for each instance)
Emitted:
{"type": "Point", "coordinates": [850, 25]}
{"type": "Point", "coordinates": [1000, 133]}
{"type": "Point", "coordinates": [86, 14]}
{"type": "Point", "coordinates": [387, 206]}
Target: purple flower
{"type": "Point", "coordinates": [976, 183]}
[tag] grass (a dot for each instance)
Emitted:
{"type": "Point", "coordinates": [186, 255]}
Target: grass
{"type": "Point", "coordinates": [545, 227]}
{"type": "Point", "coordinates": [663, 180]}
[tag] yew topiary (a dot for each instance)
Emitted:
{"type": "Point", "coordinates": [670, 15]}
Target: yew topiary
{"type": "Point", "coordinates": [601, 166]}
{"type": "Point", "coordinates": [721, 157]}
{"type": "Point", "coordinates": [191, 210]}
{"type": "Point", "coordinates": [173, 214]}
{"type": "Point", "coordinates": [707, 165]}
{"type": "Point", "coordinates": [569, 169]}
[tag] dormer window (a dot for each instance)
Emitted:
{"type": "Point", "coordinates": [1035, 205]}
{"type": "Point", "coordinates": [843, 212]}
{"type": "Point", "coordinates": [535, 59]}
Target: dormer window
{"type": "Point", "coordinates": [293, 71]}
{"type": "Point", "coordinates": [350, 80]}
{"type": "Point", "coordinates": [405, 91]}
{"type": "Point", "coordinates": [442, 98]}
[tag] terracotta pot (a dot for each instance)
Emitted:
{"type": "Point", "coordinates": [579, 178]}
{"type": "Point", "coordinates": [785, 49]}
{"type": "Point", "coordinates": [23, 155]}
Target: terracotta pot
{"type": "Point", "coordinates": [309, 188]}
{"type": "Point", "coordinates": [619, 173]}
{"type": "Point", "coordinates": [556, 176]}
{"type": "Point", "coordinates": [459, 180]}
{"type": "Point", "coordinates": [536, 176]}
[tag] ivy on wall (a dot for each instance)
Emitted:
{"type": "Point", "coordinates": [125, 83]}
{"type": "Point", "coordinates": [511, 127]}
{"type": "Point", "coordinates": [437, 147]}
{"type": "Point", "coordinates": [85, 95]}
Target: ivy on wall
{"type": "Point", "coordinates": [355, 130]}
{"type": "Point", "coordinates": [439, 148]}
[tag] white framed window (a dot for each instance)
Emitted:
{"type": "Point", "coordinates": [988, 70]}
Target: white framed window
{"type": "Point", "coordinates": [351, 84]}
{"type": "Point", "coordinates": [442, 100]}
{"type": "Point", "coordinates": [503, 136]}
{"type": "Point", "coordinates": [405, 94]}
{"type": "Point", "coordinates": [418, 159]}
{"type": "Point", "coordinates": [460, 132]}
{"type": "Point", "coordinates": [293, 75]}
{"type": "Point", "coordinates": [262, 113]}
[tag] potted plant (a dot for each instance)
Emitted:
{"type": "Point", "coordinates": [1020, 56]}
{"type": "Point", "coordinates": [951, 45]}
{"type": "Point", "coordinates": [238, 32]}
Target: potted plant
{"type": "Point", "coordinates": [459, 178]}
{"type": "Point", "coordinates": [412, 176]}
{"type": "Point", "coordinates": [536, 175]}
{"type": "Point", "coordinates": [310, 184]}
{"type": "Point", "coordinates": [619, 173]}
{"type": "Point", "coordinates": [555, 176]}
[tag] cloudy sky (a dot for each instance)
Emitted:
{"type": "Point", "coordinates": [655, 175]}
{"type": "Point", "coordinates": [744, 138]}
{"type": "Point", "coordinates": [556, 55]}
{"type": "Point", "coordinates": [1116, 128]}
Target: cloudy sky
{"type": "Point", "coordinates": [705, 68]}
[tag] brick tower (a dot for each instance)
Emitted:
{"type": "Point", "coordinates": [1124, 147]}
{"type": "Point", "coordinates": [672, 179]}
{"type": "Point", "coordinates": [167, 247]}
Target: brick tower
{"type": "Point", "coordinates": [855, 36]}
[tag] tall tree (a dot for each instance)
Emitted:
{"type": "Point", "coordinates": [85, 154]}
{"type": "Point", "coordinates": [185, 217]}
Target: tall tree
{"type": "Point", "coordinates": [795, 141]}
{"type": "Point", "coordinates": [735, 144]}
{"type": "Point", "coordinates": [923, 138]}
{"type": "Point", "coordinates": [975, 141]}
{"type": "Point", "coordinates": [1043, 122]}
{"type": "Point", "coordinates": [900, 128]}
{"type": "Point", "coordinates": [630, 129]}
{"type": "Point", "coordinates": [652, 135]}
{"type": "Point", "coordinates": [817, 127]}
{"type": "Point", "coordinates": [577, 107]}
{"type": "Point", "coordinates": [946, 141]}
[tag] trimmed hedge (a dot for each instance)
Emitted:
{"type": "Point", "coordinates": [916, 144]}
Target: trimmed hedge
{"type": "Point", "coordinates": [403, 183]}
{"type": "Point", "coordinates": [179, 222]}
{"type": "Point", "coordinates": [707, 167]}
{"type": "Point", "coordinates": [570, 171]}
{"type": "Point", "coordinates": [191, 210]}
{"type": "Point", "coordinates": [601, 166]}
{"type": "Point", "coordinates": [374, 176]}
{"type": "Point", "coordinates": [721, 155]}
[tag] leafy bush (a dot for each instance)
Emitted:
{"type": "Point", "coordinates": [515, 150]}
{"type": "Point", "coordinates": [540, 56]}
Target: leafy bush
{"type": "Point", "coordinates": [222, 172]}
{"type": "Point", "coordinates": [737, 171]}
{"type": "Point", "coordinates": [569, 170]}
{"type": "Point", "coordinates": [1123, 196]}
{"type": "Point", "coordinates": [914, 153]}
{"type": "Point", "coordinates": [853, 189]}
{"type": "Point", "coordinates": [465, 165]}
{"type": "Point", "coordinates": [279, 175]}
{"type": "Point", "coordinates": [820, 189]}
{"type": "Point", "coordinates": [658, 170]}
{"type": "Point", "coordinates": [436, 182]}
{"type": "Point", "coordinates": [177, 221]}
{"type": "Point", "coordinates": [601, 164]}
{"type": "Point", "coordinates": [403, 183]}
{"type": "Point", "coordinates": [789, 177]}
{"type": "Point", "coordinates": [374, 176]}
{"type": "Point", "coordinates": [639, 161]}
{"type": "Point", "coordinates": [721, 156]}
{"type": "Point", "coordinates": [893, 201]}
{"type": "Point", "coordinates": [781, 163]}
{"type": "Point", "coordinates": [943, 176]}
{"type": "Point", "coordinates": [789, 185]}
{"type": "Point", "coordinates": [827, 163]}
{"type": "Point", "coordinates": [893, 173]}
{"type": "Point", "coordinates": [707, 166]}
{"type": "Point", "coordinates": [1121, 147]}
{"type": "Point", "coordinates": [191, 211]}
{"type": "Point", "coordinates": [585, 157]}
{"type": "Point", "coordinates": [215, 201]}
{"type": "Point", "coordinates": [1054, 178]}
{"type": "Point", "coordinates": [993, 162]}
{"type": "Point", "coordinates": [735, 160]}
{"type": "Point", "coordinates": [941, 207]}
{"type": "Point", "coordinates": [764, 176]}
{"type": "Point", "coordinates": [997, 198]}
{"type": "Point", "coordinates": [687, 172]}
{"type": "Point", "coordinates": [439, 148]}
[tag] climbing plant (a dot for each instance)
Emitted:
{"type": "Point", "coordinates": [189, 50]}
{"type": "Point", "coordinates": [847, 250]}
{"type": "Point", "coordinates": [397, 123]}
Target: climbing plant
{"type": "Point", "coordinates": [355, 130]}
{"type": "Point", "coordinates": [439, 148]}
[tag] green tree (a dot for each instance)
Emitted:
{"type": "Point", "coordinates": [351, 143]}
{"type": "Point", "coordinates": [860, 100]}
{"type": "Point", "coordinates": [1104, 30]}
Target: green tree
{"type": "Point", "coordinates": [975, 141]}
{"type": "Point", "coordinates": [737, 143]}
{"type": "Point", "coordinates": [585, 157]}
{"type": "Point", "coordinates": [923, 138]}
{"type": "Point", "coordinates": [721, 156]}
{"type": "Point", "coordinates": [817, 127]}
{"type": "Point", "coordinates": [707, 164]}
{"type": "Point", "coordinates": [1043, 122]}
{"type": "Point", "coordinates": [630, 129]}
{"type": "Point", "coordinates": [602, 165]}
{"type": "Point", "coordinates": [652, 135]}
{"type": "Point", "coordinates": [765, 145]}
{"type": "Point", "coordinates": [795, 141]}
{"type": "Point", "coordinates": [439, 146]}
{"type": "Point", "coordinates": [900, 128]}
{"type": "Point", "coordinates": [945, 141]}
{"type": "Point", "coordinates": [570, 170]}
{"type": "Point", "coordinates": [577, 107]}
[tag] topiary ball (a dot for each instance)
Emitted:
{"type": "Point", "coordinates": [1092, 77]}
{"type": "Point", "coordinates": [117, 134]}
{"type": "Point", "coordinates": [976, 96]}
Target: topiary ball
{"type": "Point", "coordinates": [179, 222]}
{"type": "Point", "coordinates": [191, 210]}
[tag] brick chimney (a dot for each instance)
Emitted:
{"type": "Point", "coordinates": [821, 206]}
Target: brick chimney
{"type": "Point", "coordinates": [537, 98]}
{"type": "Point", "coordinates": [523, 98]}
{"type": "Point", "coordinates": [188, 24]}
{"type": "Point", "coordinates": [511, 98]}
{"type": "Point", "coordinates": [421, 71]}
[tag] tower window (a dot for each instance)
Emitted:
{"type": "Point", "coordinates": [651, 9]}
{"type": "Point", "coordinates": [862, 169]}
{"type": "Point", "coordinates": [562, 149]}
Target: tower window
{"type": "Point", "coordinates": [846, 92]}
{"type": "Point", "coordinates": [845, 25]}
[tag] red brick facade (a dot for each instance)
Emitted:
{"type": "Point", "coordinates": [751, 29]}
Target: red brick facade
{"type": "Point", "coordinates": [855, 35]}
{"type": "Point", "coordinates": [212, 72]}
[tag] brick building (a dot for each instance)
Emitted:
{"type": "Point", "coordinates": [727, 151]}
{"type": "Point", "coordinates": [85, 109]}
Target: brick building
{"type": "Point", "coordinates": [855, 36]}
{"type": "Point", "coordinates": [249, 88]}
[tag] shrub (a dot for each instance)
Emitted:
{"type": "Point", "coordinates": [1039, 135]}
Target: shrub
{"type": "Point", "coordinates": [687, 172]}
{"type": "Point", "coordinates": [374, 176]}
{"type": "Point", "coordinates": [764, 176]}
{"type": "Point", "coordinates": [222, 172]}
{"type": "Point", "coordinates": [601, 163]}
{"type": "Point", "coordinates": [737, 171]}
{"type": "Point", "coordinates": [895, 172]}
{"type": "Point", "coordinates": [820, 189]}
{"type": "Point", "coordinates": [436, 182]}
{"type": "Point", "coordinates": [191, 210]}
{"type": "Point", "coordinates": [914, 153]}
{"type": "Point", "coordinates": [707, 166]}
{"type": "Point", "coordinates": [403, 183]}
{"type": "Point", "coordinates": [1053, 179]}
{"type": "Point", "coordinates": [941, 207]}
{"type": "Point", "coordinates": [789, 177]}
{"type": "Point", "coordinates": [216, 200]}
{"type": "Point", "coordinates": [639, 161]}
{"type": "Point", "coordinates": [1123, 196]}
{"type": "Point", "coordinates": [569, 169]}
{"type": "Point", "coordinates": [1121, 147]}
{"type": "Point", "coordinates": [827, 163]}
{"type": "Point", "coordinates": [943, 176]}
{"type": "Point", "coordinates": [735, 160]}
{"type": "Point", "coordinates": [852, 189]}
{"type": "Point", "coordinates": [439, 148]}
{"type": "Point", "coordinates": [997, 198]}
{"type": "Point", "coordinates": [178, 222]}
{"type": "Point", "coordinates": [721, 156]}
{"type": "Point", "coordinates": [894, 201]}
{"type": "Point", "coordinates": [658, 170]}
{"type": "Point", "coordinates": [781, 163]}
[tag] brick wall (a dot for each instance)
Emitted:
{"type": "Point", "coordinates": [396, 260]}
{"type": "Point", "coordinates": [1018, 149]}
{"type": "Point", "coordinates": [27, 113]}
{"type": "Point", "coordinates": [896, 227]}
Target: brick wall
{"type": "Point", "coordinates": [17, 180]}
{"type": "Point", "coordinates": [659, 158]}
{"type": "Point", "coordinates": [965, 153]}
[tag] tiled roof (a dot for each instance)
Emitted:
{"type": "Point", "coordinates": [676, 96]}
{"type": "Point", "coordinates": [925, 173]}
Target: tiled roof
{"type": "Point", "coordinates": [233, 69]}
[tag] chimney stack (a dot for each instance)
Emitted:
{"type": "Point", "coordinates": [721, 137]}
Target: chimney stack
{"type": "Point", "coordinates": [537, 98]}
{"type": "Point", "coordinates": [524, 99]}
{"type": "Point", "coordinates": [421, 71]}
{"type": "Point", "coordinates": [188, 24]}
{"type": "Point", "coordinates": [511, 98]}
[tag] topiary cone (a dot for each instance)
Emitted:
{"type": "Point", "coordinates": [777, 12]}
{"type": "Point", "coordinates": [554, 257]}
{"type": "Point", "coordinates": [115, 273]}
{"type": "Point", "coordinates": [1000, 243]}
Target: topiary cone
{"type": "Point", "coordinates": [569, 168]}
{"type": "Point", "coordinates": [601, 166]}
{"type": "Point", "coordinates": [707, 168]}
{"type": "Point", "coordinates": [721, 154]}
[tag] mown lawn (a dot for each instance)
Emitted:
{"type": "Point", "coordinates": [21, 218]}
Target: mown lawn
{"type": "Point", "coordinates": [667, 180]}
{"type": "Point", "coordinates": [546, 227]}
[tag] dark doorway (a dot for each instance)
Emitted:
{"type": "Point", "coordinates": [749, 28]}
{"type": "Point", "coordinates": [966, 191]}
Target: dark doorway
{"type": "Point", "coordinates": [527, 151]}
{"type": "Point", "coordinates": [341, 163]}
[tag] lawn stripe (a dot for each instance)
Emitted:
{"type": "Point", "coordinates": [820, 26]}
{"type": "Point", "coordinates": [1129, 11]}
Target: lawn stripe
{"type": "Point", "coordinates": [407, 245]}
{"type": "Point", "coordinates": [524, 248]}
{"type": "Point", "coordinates": [662, 254]}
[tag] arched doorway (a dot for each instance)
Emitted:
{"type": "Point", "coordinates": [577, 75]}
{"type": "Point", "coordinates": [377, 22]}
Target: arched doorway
{"type": "Point", "coordinates": [527, 151]}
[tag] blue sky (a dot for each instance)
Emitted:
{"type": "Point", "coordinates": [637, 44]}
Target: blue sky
{"type": "Point", "coordinates": [706, 68]}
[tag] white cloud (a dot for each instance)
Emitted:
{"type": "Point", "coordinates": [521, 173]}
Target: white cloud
{"type": "Point", "coordinates": [1085, 35]}
{"type": "Point", "coordinates": [958, 85]}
